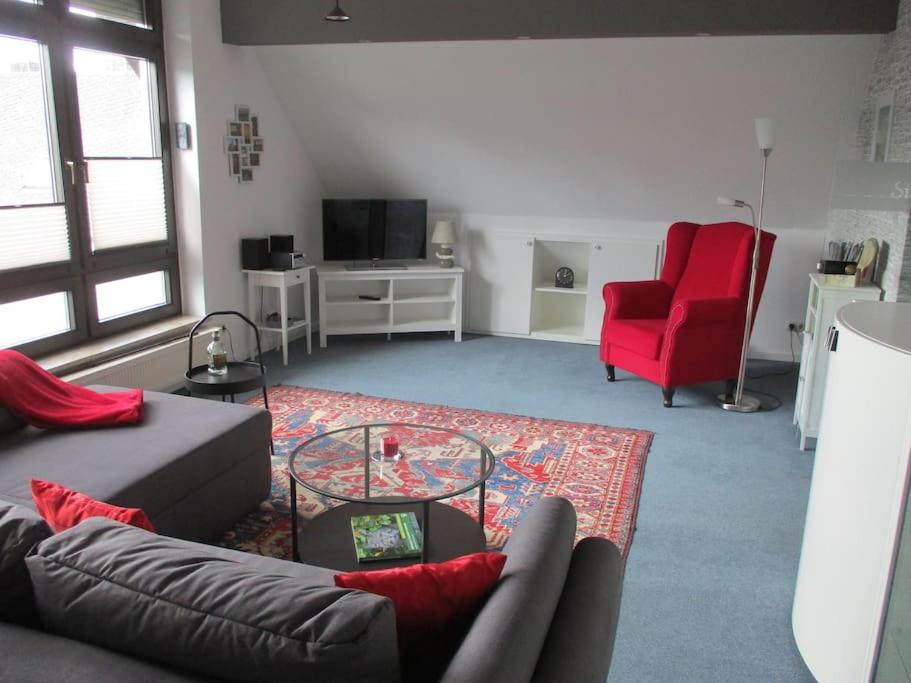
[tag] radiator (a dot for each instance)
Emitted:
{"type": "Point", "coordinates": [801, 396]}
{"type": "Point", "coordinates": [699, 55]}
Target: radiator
{"type": "Point", "coordinates": [157, 369]}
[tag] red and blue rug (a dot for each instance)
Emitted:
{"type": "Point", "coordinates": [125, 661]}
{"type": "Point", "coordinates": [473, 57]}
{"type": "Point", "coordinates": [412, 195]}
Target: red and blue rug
{"type": "Point", "coordinates": [599, 469]}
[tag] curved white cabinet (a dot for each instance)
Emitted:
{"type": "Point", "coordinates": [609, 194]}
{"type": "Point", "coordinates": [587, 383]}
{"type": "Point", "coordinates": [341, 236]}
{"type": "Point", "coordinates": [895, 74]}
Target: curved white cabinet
{"type": "Point", "coordinates": [858, 497]}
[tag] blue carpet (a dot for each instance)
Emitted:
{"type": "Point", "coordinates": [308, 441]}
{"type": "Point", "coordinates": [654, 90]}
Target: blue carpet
{"type": "Point", "coordinates": [710, 577]}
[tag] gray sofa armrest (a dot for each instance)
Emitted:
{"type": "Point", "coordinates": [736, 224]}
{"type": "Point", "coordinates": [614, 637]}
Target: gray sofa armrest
{"type": "Point", "coordinates": [504, 642]}
{"type": "Point", "coordinates": [581, 638]}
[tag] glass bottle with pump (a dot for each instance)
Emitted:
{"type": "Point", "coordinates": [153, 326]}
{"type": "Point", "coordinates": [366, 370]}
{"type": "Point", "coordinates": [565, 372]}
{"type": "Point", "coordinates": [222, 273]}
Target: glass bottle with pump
{"type": "Point", "coordinates": [218, 355]}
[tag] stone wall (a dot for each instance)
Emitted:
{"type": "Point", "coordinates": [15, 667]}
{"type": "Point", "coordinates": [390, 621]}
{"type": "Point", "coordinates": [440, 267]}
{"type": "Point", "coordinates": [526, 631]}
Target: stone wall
{"type": "Point", "coordinates": [890, 224]}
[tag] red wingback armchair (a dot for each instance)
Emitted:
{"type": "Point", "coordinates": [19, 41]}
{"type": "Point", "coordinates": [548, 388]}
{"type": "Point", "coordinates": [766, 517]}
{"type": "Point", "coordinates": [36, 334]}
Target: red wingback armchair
{"type": "Point", "coordinates": [687, 327]}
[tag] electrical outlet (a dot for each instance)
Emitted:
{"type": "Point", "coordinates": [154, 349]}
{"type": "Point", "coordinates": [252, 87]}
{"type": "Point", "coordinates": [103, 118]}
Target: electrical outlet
{"type": "Point", "coordinates": [795, 326]}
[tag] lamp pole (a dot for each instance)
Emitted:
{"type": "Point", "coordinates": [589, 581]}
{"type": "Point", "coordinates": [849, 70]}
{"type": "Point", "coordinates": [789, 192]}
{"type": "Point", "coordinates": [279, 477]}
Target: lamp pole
{"type": "Point", "coordinates": [744, 403]}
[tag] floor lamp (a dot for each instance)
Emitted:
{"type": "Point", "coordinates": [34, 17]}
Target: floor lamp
{"type": "Point", "coordinates": [744, 403]}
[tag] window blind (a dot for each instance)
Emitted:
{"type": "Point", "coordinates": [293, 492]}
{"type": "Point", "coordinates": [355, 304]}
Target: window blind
{"type": "Point", "coordinates": [126, 202]}
{"type": "Point", "coordinates": [34, 235]}
{"type": "Point", "coordinates": [132, 12]}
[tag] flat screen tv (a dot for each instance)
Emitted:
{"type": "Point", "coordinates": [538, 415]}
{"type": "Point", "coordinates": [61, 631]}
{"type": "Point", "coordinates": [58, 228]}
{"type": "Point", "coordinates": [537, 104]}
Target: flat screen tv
{"type": "Point", "coordinates": [374, 229]}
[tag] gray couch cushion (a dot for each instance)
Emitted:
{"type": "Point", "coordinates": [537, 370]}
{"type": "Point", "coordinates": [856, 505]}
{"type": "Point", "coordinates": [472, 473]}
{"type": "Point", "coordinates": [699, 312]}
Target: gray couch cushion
{"type": "Point", "coordinates": [30, 656]}
{"type": "Point", "coordinates": [21, 529]}
{"type": "Point", "coordinates": [506, 638]}
{"type": "Point", "coordinates": [181, 445]}
{"type": "Point", "coordinates": [213, 613]}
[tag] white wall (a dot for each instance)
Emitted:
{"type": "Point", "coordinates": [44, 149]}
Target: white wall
{"type": "Point", "coordinates": [207, 79]}
{"type": "Point", "coordinates": [627, 134]}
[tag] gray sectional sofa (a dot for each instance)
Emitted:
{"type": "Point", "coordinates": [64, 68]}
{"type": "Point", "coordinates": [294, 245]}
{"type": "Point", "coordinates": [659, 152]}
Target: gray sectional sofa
{"type": "Point", "coordinates": [107, 602]}
{"type": "Point", "coordinates": [194, 466]}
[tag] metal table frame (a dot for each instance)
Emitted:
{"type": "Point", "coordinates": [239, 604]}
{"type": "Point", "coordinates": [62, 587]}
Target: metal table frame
{"type": "Point", "coordinates": [488, 462]}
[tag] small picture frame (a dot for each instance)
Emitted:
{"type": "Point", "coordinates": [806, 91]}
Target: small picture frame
{"type": "Point", "coordinates": [235, 129]}
{"type": "Point", "coordinates": [882, 127]}
{"type": "Point", "coordinates": [242, 113]}
{"type": "Point", "coordinates": [246, 149]}
{"type": "Point", "coordinates": [246, 175]}
{"type": "Point", "coordinates": [232, 144]}
{"type": "Point", "coordinates": [254, 159]}
{"type": "Point", "coordinates": [233, 164]}
{"type": "Point", "coordinates": [254, 123]}
{"type": "Point", "coordinates": [257, 144]}
{"type": "Point", "coordinates": [244, 160]}
{"type": "Point", "coordinates": [247, 132]}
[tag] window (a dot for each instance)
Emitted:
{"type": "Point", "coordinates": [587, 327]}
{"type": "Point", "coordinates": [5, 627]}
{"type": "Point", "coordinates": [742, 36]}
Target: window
{"type": "Point", "coordinates": [87, 242]}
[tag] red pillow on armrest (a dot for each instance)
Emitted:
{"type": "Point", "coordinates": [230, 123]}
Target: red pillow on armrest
{"type": "Point", "coordinates": [434, 603]}
{"type": "Point", "coordinates": [63, 508]}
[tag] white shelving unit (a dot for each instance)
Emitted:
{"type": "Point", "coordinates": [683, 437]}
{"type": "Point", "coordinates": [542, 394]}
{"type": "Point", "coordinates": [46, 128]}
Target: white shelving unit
{"type": "Point", "coordinates": [416, 299]}
{"type": "Point", "coordinates": [823, 302]}
{"type": "Point", "coordinates": [281, 280]}
{"type": "Point", "coordinates": [512, 288]}
{"type": "Point", "coordinates": [557, 312]}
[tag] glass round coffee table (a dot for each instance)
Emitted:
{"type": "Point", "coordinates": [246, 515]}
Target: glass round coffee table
{"type": "Point", "coordinates": [348, 465]}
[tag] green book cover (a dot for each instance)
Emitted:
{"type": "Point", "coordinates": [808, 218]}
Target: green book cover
{"type": "Point", "coordinates": [386, 537]}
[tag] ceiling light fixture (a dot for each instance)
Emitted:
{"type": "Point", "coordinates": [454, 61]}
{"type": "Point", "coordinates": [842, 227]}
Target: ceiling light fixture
{"type": "Point", "coordinates": [337, 14]}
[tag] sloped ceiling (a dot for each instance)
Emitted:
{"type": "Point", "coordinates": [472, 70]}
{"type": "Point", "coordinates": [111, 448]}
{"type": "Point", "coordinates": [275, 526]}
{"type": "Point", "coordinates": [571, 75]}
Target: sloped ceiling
{"type": "Point", "coordinates": [622, 129]}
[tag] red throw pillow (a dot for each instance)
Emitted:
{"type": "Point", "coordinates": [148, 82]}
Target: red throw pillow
{"type": "Point", "coordinates": [63, 508]}
{"type": "Point", "coordinates": [434, 603]}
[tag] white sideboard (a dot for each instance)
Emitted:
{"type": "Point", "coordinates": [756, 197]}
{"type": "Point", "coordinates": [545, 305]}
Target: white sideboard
{"type": "Point", "coordinates": [511, 281]}
{"type": "Point", "coordinates": [852, 542]}
{"type": "Point", "coordinates": [823, 303]}
{"type": "Point", "coordinates": [413, 299]}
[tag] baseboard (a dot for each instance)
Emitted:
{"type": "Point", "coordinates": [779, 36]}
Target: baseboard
{"type": "Point", "coordinates": [783, 356]}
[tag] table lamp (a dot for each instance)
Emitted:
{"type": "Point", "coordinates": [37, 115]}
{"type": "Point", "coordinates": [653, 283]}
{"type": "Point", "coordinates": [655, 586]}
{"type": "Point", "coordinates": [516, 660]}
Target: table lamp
{"type": "Point", "coordinates": [444, 235]}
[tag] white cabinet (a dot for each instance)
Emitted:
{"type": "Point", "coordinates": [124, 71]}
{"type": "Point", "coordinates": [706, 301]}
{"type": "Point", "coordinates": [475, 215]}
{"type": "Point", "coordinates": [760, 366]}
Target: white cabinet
{"type": "Point", "coordinates": [616, 261]}
{"type": "Point", "coordinates": [501, 266]}
{"type": "Point", "coordinates": [512, 287]}
{"type": "Point", "coordinates": [857, 502]}
{"type": "Point", "coordinates": [823, 303]}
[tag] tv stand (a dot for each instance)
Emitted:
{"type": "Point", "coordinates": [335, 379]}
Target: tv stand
{"type": "Point", "coordinates": [416, 299]}
{"type": "Point", "coordinates": [377, 265]}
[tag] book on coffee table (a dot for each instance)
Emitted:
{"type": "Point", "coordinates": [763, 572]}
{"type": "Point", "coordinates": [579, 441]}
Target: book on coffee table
{"type": "Point", "coordinates": [390, 536]}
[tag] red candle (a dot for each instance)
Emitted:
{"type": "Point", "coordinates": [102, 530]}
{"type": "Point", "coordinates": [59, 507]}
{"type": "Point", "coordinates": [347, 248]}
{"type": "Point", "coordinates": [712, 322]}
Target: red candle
{"type": "Point", "coordinates": [390, 446]}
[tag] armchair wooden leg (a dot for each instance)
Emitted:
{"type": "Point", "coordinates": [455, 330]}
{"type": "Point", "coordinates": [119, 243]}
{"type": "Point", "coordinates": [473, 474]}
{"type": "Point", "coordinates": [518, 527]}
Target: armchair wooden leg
{"type": "Point", "coordinates": [610, 372]}
{"type": "Point", "coordinates": [668, 393]}
{"type": "Point", "coordinates": [730, 385]}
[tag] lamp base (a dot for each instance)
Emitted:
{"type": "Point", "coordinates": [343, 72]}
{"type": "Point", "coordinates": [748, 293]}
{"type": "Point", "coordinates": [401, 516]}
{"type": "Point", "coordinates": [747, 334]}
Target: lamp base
{"type": "Point", "coordinates": [748, 404]}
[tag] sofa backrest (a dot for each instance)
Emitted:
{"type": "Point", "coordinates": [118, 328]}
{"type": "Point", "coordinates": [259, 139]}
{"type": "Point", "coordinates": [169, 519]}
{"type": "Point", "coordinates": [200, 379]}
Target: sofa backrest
{"type": "Point", "coordinates": [718, 264]}
{"type": "Point", "coordinates": [508, 634]}
{"type": "Point", "coordinates": [208, 610]}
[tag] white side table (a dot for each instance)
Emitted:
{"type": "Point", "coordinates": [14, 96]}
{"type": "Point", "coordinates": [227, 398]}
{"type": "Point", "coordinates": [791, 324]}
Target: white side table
{"type": "Point", "coordinates": [281, 280]}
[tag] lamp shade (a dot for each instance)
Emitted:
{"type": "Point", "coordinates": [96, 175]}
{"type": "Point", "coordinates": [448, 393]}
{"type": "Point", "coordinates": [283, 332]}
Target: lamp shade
{"type": "Point", "coordinates": [764, 133]}
{"type": "Point", "coordinates": [443, 233]}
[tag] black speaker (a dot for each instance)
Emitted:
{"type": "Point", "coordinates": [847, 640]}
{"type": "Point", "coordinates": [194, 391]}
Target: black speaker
{"type": "Point", "coordinates": [254, 253]}
{"type": "Point", "coordinates": [283, 243]}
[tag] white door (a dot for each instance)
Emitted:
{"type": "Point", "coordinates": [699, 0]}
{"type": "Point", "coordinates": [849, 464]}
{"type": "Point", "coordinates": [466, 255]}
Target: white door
{"type": "Point", "coordinates": [500, 282]}
{"type": "Point", "coordinates": [615, 261]}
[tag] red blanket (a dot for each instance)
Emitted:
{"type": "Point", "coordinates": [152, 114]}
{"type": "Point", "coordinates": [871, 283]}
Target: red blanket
{"type": "Point", "coordinates": [35, 396]}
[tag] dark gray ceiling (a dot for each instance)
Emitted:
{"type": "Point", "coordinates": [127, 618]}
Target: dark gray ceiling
{"type": "Point", "coordinates": [299, 22]}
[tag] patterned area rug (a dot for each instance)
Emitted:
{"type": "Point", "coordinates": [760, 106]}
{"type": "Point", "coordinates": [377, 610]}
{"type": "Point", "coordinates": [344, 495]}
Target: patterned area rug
{"type": "Point", "coordinates": [599, 469]}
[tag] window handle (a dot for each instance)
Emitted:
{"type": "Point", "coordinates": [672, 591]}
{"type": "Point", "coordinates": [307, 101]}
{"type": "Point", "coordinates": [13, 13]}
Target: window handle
{"type": "Point", "coordinates": [79, 172]}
